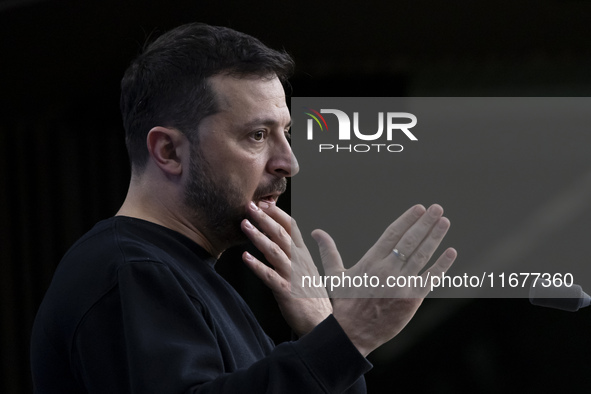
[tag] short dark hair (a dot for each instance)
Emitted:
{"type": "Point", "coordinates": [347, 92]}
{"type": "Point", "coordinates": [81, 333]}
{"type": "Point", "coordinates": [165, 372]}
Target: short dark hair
{"type": "Point", "coordinates": [167, 86]}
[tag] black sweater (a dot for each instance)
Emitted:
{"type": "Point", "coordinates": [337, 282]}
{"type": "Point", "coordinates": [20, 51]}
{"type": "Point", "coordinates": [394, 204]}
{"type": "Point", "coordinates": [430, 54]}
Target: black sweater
{"type": "Point", "coordinates": [135, 307]}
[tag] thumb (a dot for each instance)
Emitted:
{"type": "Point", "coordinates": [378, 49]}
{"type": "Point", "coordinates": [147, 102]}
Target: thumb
{"type": "Point", "coordinates": [329, 254]}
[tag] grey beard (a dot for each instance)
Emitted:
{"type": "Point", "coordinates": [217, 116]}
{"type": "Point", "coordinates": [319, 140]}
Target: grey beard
{"type": "Point", "coordinates": [217, 206]}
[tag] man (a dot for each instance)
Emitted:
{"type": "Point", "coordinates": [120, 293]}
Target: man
{"type": "Point", "coordinates": [136, 306]}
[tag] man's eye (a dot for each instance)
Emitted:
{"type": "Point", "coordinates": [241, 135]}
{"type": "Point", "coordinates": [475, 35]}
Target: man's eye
{"type": "Point", "coordinates": [258, 135]}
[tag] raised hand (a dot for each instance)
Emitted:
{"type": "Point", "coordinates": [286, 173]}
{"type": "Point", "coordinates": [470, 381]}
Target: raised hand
{"type": "Point", "coordinates": [277, 236]}
{"type": "Point", "coordinates": [373, 315]}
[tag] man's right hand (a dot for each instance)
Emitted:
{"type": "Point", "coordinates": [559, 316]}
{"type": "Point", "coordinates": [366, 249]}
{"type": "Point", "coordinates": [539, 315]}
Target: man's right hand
{"type": "Point", "coordinates": [379, 316]}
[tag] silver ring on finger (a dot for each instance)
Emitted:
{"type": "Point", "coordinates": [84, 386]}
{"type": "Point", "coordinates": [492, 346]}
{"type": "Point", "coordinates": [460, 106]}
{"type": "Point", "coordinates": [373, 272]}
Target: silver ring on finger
{"type": "Point", "coordinates": [401, 256]}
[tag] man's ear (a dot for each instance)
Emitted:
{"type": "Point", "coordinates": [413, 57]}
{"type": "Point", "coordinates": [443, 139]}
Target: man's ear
{"type": "Point", "coordinates": [166, 146]}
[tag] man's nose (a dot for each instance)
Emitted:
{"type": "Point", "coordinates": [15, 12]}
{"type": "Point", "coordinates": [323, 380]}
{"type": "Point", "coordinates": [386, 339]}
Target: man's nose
{"type": "Point", "coordinates": [283, 162]}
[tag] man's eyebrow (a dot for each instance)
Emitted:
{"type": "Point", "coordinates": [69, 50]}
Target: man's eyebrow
{"type": "Point", "coordinates": [266, 122]}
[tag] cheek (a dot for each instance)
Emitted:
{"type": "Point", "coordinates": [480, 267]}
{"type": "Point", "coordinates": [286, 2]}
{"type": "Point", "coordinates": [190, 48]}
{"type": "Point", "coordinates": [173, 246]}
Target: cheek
{"type": "Point", "coordinates": [247, 175]}
{"type": "Point", "coordinates": [242, 169]}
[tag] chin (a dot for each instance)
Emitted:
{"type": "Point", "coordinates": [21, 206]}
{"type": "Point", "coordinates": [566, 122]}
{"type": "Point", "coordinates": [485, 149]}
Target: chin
{"type": "Point", "coordinates": [231, 234]}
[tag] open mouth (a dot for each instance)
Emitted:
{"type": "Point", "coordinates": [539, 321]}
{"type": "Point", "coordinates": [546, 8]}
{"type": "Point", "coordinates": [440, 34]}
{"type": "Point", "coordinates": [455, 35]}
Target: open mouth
{"type": "Point", "coordinates": [271, 192]}
{"type": "Point", "coordinates": [270, 198]}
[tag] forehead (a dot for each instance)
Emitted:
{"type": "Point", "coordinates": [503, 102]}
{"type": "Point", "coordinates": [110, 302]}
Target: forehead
{"type": "Point", "coordinates": [250, 98]}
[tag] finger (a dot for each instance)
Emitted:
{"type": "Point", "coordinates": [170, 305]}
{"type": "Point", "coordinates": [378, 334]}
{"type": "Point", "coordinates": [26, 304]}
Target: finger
{"type": "Point", "coordinates": [270, 277]}
{"type": "Point", "coordinates": [276, 213]}
{"type": "Point", "coordinates": [269, 226]}
{"type": "Point", "coordinates": [274, 254]}
{"type": "Point", "coordinates": [395, 231]}
{"type": "Point", "coordinates": [286, 221]}
{"type": "Point", "coordinates": [443, 263]}
{"type": "Point", "coordinates": [329, 254]}
{"type": "Point", "coordinates": [425, 250]}
{"type": "Point", "coordinates": [415, 235]}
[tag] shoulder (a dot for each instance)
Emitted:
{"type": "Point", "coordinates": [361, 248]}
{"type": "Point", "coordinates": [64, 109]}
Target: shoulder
{"type": "Point", "coordinates": [121, 240]}
{"type": "Point", "coordinates": [93, 265]}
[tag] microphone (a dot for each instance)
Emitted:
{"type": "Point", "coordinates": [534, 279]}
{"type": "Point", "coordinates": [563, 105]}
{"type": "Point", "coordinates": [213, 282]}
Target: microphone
{"type": "Point", "coordinates": [567, 298]}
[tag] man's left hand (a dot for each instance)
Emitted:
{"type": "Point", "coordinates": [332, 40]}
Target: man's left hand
{"type": "Point", "coordinates": [277, 236]}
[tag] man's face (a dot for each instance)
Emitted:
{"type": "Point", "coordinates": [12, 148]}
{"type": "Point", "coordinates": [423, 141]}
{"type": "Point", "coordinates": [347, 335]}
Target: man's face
{"type": "Point", "coordinates": [242, 154]}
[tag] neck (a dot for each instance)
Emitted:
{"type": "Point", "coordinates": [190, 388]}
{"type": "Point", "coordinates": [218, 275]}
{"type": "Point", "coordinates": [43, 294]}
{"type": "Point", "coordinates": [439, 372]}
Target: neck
{"type": "Point", "coordinates": [146, 203]}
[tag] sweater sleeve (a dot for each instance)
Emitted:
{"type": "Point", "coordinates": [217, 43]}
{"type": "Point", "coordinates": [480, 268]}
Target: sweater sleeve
{"type": "Point", "coordinates": [148, 336]}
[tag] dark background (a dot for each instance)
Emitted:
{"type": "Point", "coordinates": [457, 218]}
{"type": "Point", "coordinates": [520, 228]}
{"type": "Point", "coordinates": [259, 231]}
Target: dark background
{"type": "Point", "coordinates": [64, 164]}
